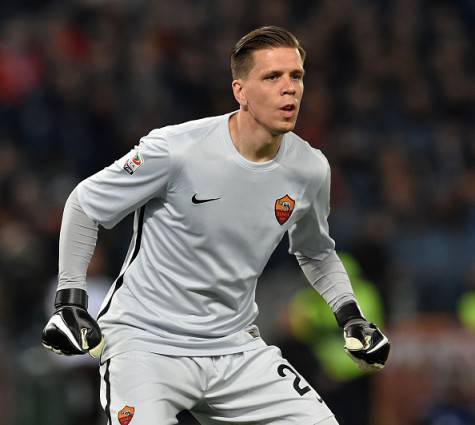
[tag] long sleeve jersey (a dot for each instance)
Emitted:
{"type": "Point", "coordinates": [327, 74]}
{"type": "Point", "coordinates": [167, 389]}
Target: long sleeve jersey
{"type": "Point", "coordinates": [206, 222]}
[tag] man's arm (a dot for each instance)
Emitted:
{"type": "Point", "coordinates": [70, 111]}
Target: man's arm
{"type": "Point", "coordinates": [311, 243]}
{"type": "Point", "coordinates": [104, 198]}
{"type": "Point", "coordinates": [364, 342]}
{"type": "Point", "coordinates": [77, 241]}
{"type": "Point", "coordinates": [329, 278]}
{"type": "Point", "coordinates": [71, 330]}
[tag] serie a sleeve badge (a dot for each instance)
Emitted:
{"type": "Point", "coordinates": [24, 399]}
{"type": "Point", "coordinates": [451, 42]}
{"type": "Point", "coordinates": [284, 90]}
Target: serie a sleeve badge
{"type": "Point", "coordinates": [133, 162]}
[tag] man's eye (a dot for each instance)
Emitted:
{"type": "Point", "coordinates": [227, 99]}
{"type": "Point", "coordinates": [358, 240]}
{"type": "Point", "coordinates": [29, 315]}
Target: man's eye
{"type": "Point", "coordinates": [271, 77]}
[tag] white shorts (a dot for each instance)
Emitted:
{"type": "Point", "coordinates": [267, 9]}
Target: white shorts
{"type": "Point", "coordinates": [253, 387]}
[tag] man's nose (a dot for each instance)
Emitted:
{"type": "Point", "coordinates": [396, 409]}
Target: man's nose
{"type": "Point", "coordinates": [289, 87]}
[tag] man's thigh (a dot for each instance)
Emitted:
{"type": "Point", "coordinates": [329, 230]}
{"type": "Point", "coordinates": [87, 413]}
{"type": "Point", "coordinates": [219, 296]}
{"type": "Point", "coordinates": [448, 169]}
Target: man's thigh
{"type": "Point", "coordinates": [150, 389]}
{"type": "Point", "coordinates": [261, 387]}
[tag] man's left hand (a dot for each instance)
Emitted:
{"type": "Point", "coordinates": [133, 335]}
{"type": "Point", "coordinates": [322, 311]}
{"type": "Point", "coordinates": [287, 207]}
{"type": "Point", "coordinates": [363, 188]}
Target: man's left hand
{"type": "Point", "coordinates": [366, 344]}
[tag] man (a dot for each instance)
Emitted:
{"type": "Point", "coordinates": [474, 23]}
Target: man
{"type": "Point", "coordinates": [212, 199]}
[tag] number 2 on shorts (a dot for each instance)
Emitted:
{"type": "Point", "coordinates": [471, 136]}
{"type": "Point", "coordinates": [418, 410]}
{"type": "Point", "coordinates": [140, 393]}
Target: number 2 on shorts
{"type": "Point", "coordinates": [301, 390]}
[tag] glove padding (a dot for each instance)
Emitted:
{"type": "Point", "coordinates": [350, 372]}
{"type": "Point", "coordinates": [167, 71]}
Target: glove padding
{"type": "Point", "coordinates": [366, 344]}
{"type": "Point", "coordinates": [71, 330]}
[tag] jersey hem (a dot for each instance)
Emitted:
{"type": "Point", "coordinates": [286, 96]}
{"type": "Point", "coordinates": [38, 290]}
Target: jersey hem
{"type": "Point", "coordinates": [323, 420]}
{"type": "Point", "coordinates": [169, 350]}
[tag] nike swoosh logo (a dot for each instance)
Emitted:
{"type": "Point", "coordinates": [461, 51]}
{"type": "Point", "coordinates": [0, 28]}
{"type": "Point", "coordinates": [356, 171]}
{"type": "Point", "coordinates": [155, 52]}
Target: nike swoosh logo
{"type": "Point", "coordinates": [384, 341]}
{"type": "Point", "coordinates": [61, 325]}
{"type": "Point", "coordinates": [202, 201]}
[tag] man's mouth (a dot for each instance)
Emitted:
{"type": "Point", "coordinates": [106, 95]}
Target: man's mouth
{"type": "Point", "coordinates": [289, 110]}
{"type": "Point", "coordinates": [288, 107]}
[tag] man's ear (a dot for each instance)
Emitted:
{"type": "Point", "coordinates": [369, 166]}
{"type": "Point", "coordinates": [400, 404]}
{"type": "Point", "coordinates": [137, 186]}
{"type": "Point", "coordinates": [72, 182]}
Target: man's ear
{"type": "Point", "coordinates": [239, 92]}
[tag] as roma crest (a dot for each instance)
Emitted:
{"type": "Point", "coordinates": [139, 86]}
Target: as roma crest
{"type": "Point", "coordinates": [126, 415]}
{"type": "Point", "coordinates": [283, 208]}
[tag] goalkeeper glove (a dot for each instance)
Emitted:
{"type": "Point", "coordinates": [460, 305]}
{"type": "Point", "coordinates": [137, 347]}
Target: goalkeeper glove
{"type": "Point", "coordinates": [71, 330]}
{"type": "Point", "coordinates": [366, 345]}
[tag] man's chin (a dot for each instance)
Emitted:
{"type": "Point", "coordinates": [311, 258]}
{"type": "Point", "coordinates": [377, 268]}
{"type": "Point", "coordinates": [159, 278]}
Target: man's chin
{"type": "Point", "coordinates": [284, 127]}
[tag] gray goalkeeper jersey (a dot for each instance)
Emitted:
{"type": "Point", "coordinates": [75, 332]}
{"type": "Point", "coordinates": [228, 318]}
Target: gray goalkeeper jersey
{"type": "Point", "coordinates": [206, 222]}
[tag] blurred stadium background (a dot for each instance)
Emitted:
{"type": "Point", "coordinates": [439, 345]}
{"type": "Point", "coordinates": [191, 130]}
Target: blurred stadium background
{"type": "Point", "coordinates": [390, 99]}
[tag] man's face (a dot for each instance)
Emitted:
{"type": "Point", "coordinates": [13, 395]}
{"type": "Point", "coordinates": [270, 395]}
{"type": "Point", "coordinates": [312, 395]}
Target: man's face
{"type": "Point", "coordinates": [273, 89]}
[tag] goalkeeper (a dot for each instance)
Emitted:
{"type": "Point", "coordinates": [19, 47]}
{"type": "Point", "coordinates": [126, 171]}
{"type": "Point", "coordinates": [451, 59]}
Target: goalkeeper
{"type": "Point", "coordinates": [212, 199]}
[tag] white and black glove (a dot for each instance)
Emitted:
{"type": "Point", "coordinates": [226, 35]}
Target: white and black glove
{"type": "Point", "coordinates": [366, 345]}
{"type": "Point", "coordinates": [71, 330]}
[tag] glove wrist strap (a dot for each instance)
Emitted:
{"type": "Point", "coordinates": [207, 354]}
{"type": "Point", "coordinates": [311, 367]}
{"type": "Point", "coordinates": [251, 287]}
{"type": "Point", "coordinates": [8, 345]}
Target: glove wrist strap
{"type": "Point", "coordinates": [72, 296]}
{"type": "Point", "coordinates": [348, 312]}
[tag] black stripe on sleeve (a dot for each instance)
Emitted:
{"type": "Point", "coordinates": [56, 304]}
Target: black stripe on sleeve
{"type": "Point", "coordinates": [108, 393]}
{"type": "Point", "coordinates": [120, 279]}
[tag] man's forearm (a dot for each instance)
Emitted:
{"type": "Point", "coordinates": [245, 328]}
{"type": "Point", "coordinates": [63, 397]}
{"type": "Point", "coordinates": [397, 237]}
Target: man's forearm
{"type": "Point", "coordinates": [329, 278]}
{"type": "Point", "coordinates": [77, 242]}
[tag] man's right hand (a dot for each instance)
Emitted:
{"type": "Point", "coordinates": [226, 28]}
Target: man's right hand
{"type": "Point", "coordinates": [71, 330]}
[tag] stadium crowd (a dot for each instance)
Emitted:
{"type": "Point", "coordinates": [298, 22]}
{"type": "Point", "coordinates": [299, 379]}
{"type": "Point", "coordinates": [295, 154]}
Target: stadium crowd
{"type": "Point", "coordinates": [389, 98]}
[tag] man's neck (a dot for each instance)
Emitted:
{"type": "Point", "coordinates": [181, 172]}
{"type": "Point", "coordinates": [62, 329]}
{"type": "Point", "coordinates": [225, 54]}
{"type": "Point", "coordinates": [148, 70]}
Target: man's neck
{"type": "Point", "coordinates": [251, 140]}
